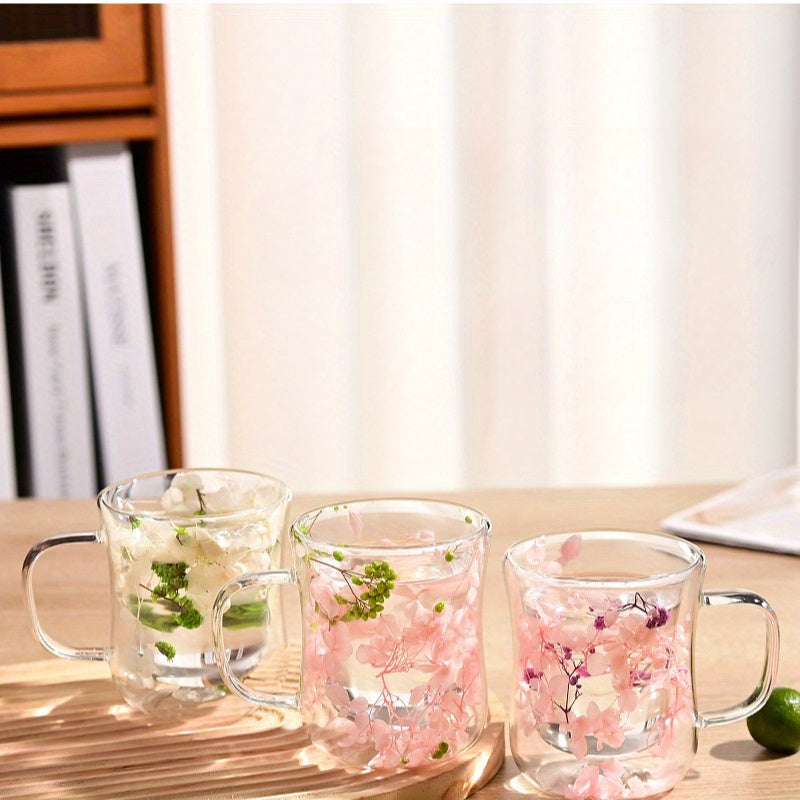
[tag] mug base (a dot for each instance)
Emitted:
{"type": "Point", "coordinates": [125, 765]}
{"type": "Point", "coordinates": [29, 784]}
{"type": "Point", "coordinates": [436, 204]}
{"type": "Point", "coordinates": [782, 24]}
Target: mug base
{"type": "Point", "coordinates": [189, 703]}
{"type": "Point", "coordinates": [568, 778]}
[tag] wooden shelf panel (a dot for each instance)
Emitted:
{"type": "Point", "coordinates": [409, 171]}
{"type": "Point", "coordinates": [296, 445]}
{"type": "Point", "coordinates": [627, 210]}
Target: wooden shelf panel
{"type": "Point", "coordinates": [18, 104]}
{"type": "Point", "coordinates": [53, 132]}
{"type": "Point", "coordinates": [118, 56]}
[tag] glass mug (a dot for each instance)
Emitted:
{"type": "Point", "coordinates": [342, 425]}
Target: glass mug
{"type": "Point", "coordinates": [392, 662]}
{"type": "Point", "coordinates": [173, 539]}
{"type": "Point", "coordinates": [603, 702]}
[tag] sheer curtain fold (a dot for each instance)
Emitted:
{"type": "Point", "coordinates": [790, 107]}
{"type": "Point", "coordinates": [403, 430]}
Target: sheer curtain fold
{"type": "Point", "coordinates": [508, 245]}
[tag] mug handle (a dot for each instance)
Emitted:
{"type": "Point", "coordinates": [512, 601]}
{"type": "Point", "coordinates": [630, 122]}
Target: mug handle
{"type": "Point", "coordinates": [742, 710]}
{"type": "Point", "coordinates": [47, 641]}
{"type": "Point", "coordinates": [272, 699]}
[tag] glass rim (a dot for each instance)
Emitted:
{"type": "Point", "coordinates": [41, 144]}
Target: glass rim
{"type": "Point", "coordinates": [482, 527]}
{"type": "Point", "coordinates": [165, 515]}
{"type": "Point", "coordinates": [698, 560]}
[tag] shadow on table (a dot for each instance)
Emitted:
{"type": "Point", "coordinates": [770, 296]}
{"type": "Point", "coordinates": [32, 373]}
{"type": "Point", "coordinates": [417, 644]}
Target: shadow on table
{"type": "Point", "coordinates": [743, 750]}
{"type": "Point", "coordinates": [63, 737]}
{"type": "Point", "coordinates": [78, 739]}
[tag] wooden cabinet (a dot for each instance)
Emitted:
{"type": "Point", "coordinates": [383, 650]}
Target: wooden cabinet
{"type": "Point", "coordinates": [95, 73]}
{"type": "Point", "coordinates": [101, 45]}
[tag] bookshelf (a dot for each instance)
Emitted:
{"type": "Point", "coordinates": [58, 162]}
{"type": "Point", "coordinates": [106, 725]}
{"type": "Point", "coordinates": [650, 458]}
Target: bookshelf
{"type": "Point", "coordinates": [93, 73]}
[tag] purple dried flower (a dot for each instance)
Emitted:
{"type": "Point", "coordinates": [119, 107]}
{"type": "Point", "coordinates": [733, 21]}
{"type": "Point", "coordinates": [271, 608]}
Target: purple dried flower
{"type": "Point", "coordinates": [640, 677]}
{"type": "Point", "coordinates": [657, 617]}
{"type": "Point", "coordinates": [531, 674]}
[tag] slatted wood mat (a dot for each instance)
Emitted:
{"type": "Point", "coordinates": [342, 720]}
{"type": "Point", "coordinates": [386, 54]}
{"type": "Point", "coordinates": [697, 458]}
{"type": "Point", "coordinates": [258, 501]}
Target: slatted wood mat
{"type": "Point", "coordinates": [66, 733]}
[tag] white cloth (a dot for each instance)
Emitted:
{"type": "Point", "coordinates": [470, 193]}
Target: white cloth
{"type": "Point", "coordinates": [762, 513]}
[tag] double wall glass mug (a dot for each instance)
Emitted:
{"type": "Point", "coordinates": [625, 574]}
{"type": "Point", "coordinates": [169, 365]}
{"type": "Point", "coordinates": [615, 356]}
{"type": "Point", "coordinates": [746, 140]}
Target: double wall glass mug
{"type": "Point", "coordinates": [393, 674]}
{"type": "Point", "coordinates": [603, 701]}
{"type": "Point", "coordinates": [173, 539]}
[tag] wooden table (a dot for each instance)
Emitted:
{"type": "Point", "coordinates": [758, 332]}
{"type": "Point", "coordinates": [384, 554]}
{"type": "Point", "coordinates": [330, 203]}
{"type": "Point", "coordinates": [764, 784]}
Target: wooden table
{"type": "Point", "coordinates": [73, 600]}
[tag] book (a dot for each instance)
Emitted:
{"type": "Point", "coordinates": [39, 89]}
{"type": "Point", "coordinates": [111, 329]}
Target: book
{"type": "Point", "coordinates": [130, 428]}
{"type": "Point", "coordinates": [8, 477]}
{"type": "Point", "coordinates": [762, 513]}
{"type": "Point", "coordinates": [54, 439]}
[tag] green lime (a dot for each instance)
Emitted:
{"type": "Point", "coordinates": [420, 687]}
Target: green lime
{"type": "Point", "coordinates": [776, 726]}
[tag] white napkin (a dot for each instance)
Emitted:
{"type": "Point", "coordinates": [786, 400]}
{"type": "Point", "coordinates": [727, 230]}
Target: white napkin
{"type": "Point", "coordinates": [762, 513]}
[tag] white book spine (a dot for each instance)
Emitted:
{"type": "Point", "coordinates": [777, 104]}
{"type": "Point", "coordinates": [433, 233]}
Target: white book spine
{"type": "Point", "coordinates": [55, 358]}
{"type": "Point", "coordinates": [8, 478]}
{"type": "Point", "coordinates": [127, 400]}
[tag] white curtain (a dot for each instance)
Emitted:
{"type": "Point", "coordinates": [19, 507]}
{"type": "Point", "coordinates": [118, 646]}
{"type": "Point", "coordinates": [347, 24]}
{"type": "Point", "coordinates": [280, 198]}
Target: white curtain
{"type": "Point", "coordinates": [502, 245]}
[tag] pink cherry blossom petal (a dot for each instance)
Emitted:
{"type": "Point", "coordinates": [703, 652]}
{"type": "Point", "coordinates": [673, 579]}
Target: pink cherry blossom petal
{"type": "Point", "coordinates": [571, 547]}
{"type": "Point", "coordinates": [356, 524]}
{"type": "Point", "coordinates": [535, 553]}
{"type": "Point", "coordinates": [337, 694]}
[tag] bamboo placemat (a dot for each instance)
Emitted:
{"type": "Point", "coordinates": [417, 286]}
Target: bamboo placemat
{"type": "Point", "coordinates": [66, 733]}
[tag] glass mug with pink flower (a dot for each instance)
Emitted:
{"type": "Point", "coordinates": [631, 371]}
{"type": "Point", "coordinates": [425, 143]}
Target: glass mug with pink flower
{"type": "Point", "coordinates": [392, 665]}
{"type": "Point", "coordinates": [603, 700]}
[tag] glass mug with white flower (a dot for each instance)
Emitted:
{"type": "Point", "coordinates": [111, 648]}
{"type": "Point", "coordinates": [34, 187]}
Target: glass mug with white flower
{"type": "Point", "coordinates": [173, 539]}
{"type": "Point", "coordinates": [603, 700]}
{"type": "Point", "coordinates": [392, 664]}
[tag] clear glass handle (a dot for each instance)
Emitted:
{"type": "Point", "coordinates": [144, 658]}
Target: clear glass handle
{"type": "Point", "coordinates": [47, 641]}
{"type": "Point", "coordinates": [749, 706]}
{"type": "Point", "coordinates": [221, 604]}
